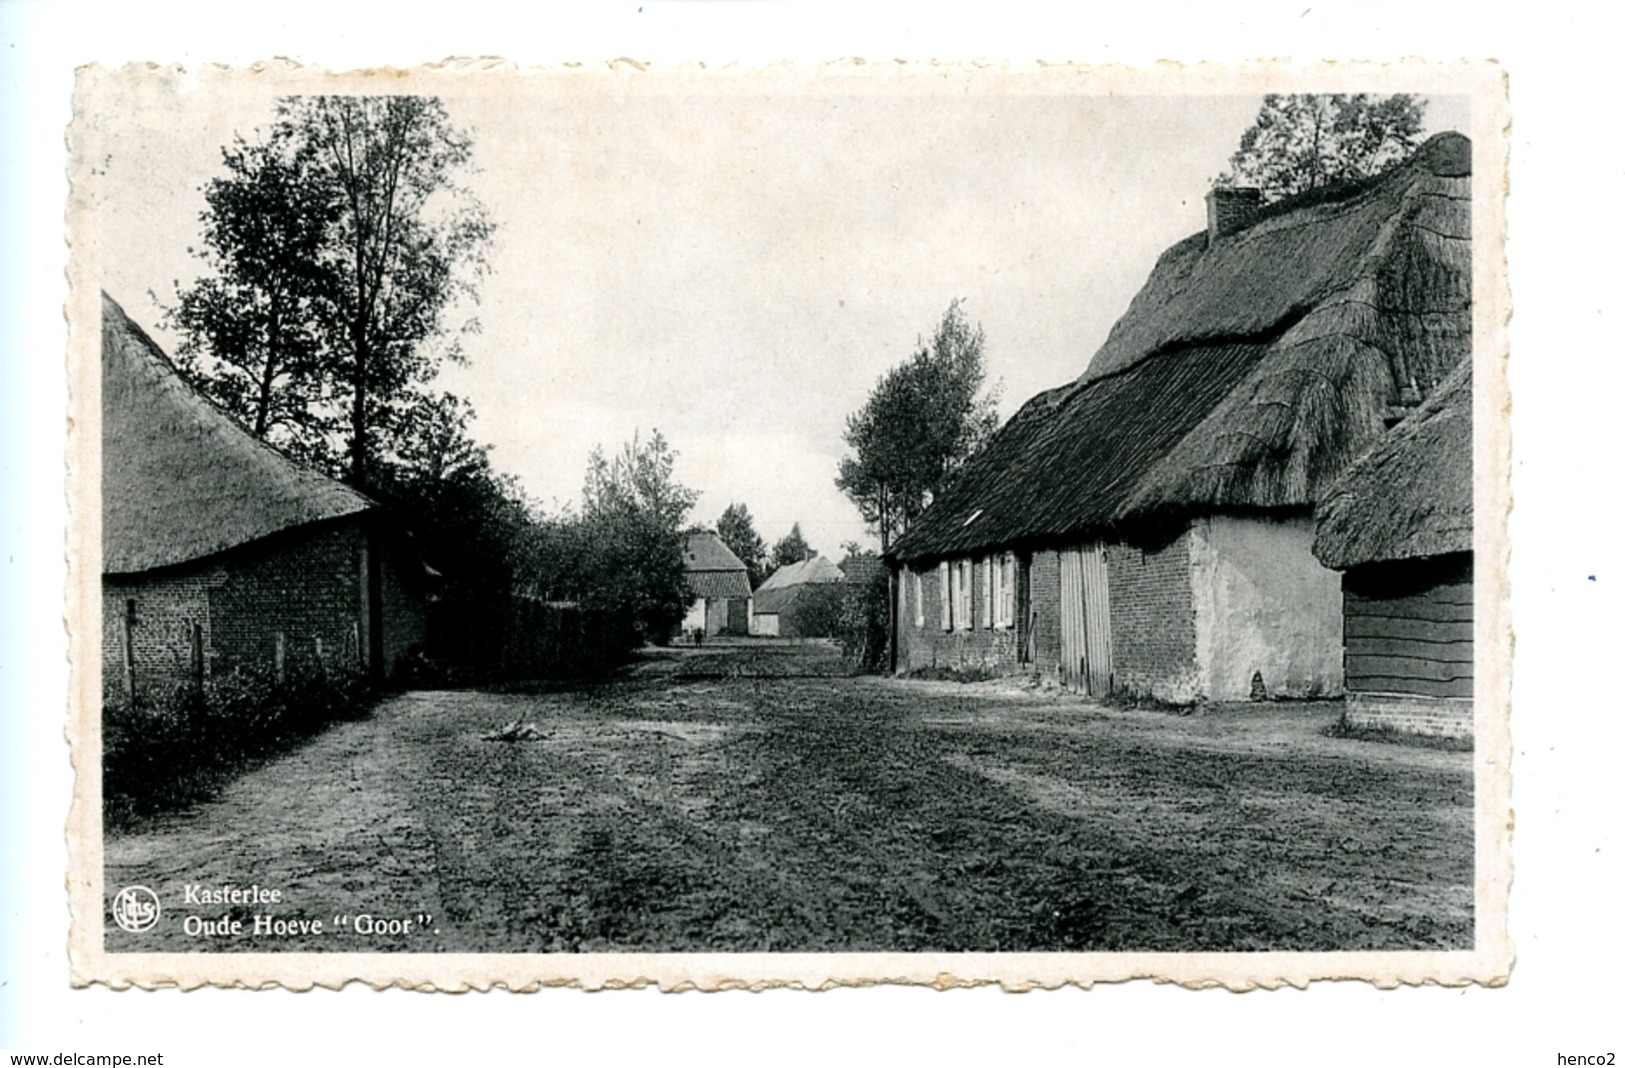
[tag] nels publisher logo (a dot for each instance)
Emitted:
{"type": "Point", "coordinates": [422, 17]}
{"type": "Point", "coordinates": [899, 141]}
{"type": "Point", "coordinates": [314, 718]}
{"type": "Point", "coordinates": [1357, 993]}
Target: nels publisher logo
{"type": "Point", "coordinates": [135, 908]}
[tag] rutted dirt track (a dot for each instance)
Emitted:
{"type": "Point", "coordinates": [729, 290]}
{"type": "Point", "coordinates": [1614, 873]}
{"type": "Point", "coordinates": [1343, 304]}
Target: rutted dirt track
{"type": "Point", "coordinates": [748, 797]}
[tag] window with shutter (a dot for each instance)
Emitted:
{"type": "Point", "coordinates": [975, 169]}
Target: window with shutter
{"type": "Point", "coordinates": [1009, 589]}
{"type": "Point", "coordinates": [919, 601]}
{"type": "Point", "coordinates": [963, 618]}
{"type": "Point", "coordinates": [945, 587]}
{"type": "Point", "coordinates": [986, 612]}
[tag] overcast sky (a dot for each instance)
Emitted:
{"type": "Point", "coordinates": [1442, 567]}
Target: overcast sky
{"type": "Point", "coordinates": [735, 262]}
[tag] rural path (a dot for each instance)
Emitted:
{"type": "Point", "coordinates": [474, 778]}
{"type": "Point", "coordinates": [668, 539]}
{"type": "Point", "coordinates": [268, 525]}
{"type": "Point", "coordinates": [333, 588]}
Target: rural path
{"type": "Point", "coordinates": [750, 797]}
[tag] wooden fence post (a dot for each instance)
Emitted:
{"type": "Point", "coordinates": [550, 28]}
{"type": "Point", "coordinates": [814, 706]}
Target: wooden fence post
{"type": "Point", "coordinates": [129, 650]}
{"type": "Point", "coordinates": [197, 656]}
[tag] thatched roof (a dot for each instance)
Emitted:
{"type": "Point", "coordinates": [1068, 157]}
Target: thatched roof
{"type": "Point", "coordinates": [1246, 374]}
{"type": "Point", "coordinates": [711, 569]}
{"type": "Point", "coordinates": [1412, 495]}
{"type": "Point", "coordinates": [180, 479]}
{"type": "Point", "coordinates": [813, 570]}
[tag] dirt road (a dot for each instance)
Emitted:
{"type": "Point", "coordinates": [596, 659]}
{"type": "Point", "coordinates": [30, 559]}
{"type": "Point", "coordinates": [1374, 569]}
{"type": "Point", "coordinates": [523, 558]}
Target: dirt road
{"type": "Point", "coordinates": [744, 797]}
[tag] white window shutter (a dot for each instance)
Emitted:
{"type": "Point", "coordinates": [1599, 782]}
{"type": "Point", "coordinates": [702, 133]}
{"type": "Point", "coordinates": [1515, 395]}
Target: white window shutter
{"type": "Point", "coordinates": [945, 584]}
{"type": "Point", "coordinates": [1009, 602]}
{"type": "Point", "coordinates": [986, 613]}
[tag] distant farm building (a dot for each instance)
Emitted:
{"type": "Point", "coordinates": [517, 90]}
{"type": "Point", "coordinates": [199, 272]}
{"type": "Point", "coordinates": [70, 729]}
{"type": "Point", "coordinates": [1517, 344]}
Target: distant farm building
{"type": "Point", "coordinates": [800, 600]}
{"type": "Point", "coordinates": [719, 585]}
{"type": "Point", "coordinates": [1399, 525]}
{"type": "Point", "coordinates": [219, 552]}
{"type": "Point", "coordinates": [1147, 528]}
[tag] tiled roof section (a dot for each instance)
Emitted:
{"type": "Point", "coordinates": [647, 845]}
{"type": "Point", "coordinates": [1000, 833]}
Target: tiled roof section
{"type": "Point", "coordinates": [718, 585]}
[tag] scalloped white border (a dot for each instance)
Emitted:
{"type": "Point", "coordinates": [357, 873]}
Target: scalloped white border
{"type": "Point", "coordinates": [1488, 964]}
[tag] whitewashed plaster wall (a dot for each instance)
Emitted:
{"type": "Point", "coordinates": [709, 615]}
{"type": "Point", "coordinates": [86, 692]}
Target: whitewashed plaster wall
{"type": "Point", "coordinates": [1264, 604]}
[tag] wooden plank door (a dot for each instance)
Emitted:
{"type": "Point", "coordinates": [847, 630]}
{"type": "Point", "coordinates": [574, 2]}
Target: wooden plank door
{"type": "Point", "coordinates": [1097, 621]}
{"type": "Point", "coordinates": [1086, 622]}
{"type": "Point", "coordinates": [1072, 627]}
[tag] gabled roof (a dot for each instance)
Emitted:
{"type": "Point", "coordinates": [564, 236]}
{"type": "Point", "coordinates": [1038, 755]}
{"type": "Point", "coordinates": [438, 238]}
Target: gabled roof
{"type": "Point", "coordinates": [1412, 495]}
{"type": "Point", "coordinates": [711, 568]}
{"type": "Point", "coordinates": [772, 602]}
{"type": "Point", "coordinates": [706, 551]}
{"type": "Point", "coordinates": [812, 570]}
{"type": "Point", "coordinates": [1247, 373]}
{"type": "Point", "coordinates": [180, 479]}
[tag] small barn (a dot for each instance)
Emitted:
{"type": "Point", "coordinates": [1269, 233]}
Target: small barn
{"type": "Point", "coordinates": [220, 552]}
{"type": "Point", "coordinates": [1147, 528]}
{"type": "Point", "coordinates": [801, 600]}
{"type": "Point", "coordinates": [1399, 526]}
{"type": "Point", "coordinates": [718, 584]}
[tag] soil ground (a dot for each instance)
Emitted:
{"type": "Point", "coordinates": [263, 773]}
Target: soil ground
{"type": "Point", "coordinates": [749, 796]}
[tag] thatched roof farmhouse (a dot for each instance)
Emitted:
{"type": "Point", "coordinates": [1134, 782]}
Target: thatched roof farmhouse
{"type": "Point", "coordinates": [718, 584]}
{"type": "Point", "coordinates": [218, 551]}
{"type": "Point", "coordinates": [1147, 527]}
{"type": "Point", "coordinates": [799, 600]}
{"type": "Point", "coordinates": [1399, 525]}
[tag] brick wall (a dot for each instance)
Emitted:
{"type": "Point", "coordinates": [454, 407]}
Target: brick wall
{"type": "Point", "coordinates": [1044, 613]}
{"type": "Point", "coordinates": [1153, 620]}
{"type": "Point", "coordinates": [994, 651]}
{"type": "Point", "coordinates": [167, 605]}
{"type": "Point", "coordinates": [1438, 716]}
{"type": "Point", "coordinates": [305, 584]}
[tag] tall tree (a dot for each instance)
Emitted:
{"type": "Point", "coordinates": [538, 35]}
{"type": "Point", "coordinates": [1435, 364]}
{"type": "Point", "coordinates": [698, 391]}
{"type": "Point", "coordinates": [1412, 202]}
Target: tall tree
{"type": "Point", "coordinates": [358, 199]}
{"type": "Point", "coordinates": [634, 512]}
{"type": "Point", "coordinates": [1304, 141]}
{"type": "Point", "coordinates": [792, 548]}
{"type": "Point", "coordinates": [252, 338]}
{"type": "Point", "coordinates": [922, 421]}
{"type": "Point", "coordinates": [737, 530]}
{"type": "Point", "coordinates": [409, 240]}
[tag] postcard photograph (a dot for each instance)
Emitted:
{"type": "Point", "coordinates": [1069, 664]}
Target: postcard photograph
{"type": "Point", "coordinates": [711, 527]}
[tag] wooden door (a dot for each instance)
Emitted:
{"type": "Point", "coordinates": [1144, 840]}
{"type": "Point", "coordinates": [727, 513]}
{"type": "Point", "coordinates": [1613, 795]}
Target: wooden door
{"type": "Point", "coordinates": [1097, 621]}
{"type": "Point", "coordinates": [1072, 674]}
{"type": "Point", "coordinates": [1086, 628]}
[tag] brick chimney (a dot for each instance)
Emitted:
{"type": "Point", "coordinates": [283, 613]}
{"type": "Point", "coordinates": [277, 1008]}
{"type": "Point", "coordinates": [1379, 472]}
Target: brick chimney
{"type": "Point", "coordinates": [1230, 209]}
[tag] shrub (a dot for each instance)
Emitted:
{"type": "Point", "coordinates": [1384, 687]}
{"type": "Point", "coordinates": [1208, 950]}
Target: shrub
{"type": "Point", "coordinates": [865, 621]}
{"type": "Point", "coordinates": [175, 747]}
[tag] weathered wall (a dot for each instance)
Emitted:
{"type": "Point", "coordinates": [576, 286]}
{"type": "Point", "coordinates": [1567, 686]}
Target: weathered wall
{"type": "Point", "coordinates": [979, 649]}
{"type": "Point", "coordinates": [1044, 614]}
{"type": "Point", "coordinates": [1153, 620]}
{"type": "Point", "coordinates": [1264, 604]}
{"type": "Point", "coordinates": [167, 604]}
{"type": "Point", "coordinates": [1441, 717]}
{"type": "Point", "coordinates": [305, 584]}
